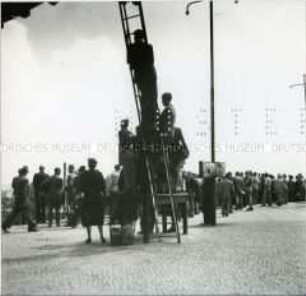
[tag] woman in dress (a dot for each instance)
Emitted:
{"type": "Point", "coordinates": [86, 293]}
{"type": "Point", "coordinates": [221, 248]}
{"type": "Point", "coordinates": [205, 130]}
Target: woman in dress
{"type": "Point", "coordinates": [92, 185]}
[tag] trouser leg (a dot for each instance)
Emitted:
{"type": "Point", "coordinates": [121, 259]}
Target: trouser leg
{"type": "Point", "coordinates": [29, 218]}
{"type": "Point", "coordinates": [57, 215]}
{"type": "Point", "coordinates": [43, 209]}
{"type": "Point", "coordinates": [11, 217]}
{"type": "Point", "coordinates": [250, 200]}
{"type": "Point", "coordinates": [37, 207]}
{"type": "Point", "coordinates": [50, 215]}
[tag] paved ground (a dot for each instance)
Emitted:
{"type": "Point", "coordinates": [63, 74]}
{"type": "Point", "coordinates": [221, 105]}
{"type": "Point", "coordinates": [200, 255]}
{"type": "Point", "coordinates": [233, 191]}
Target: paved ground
{"type": "Point", "coordinates": [258, 253]}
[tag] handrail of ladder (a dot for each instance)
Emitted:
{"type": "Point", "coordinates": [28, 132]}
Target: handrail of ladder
{"type": "Point", "coordinates": [170, 184]}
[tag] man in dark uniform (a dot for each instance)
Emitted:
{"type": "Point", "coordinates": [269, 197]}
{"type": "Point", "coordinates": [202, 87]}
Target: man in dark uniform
{"type": "Point", "coordinates": [22, 203]}
{"type": "Point", "coordinates": [40, 198]}
{"type": "Point", "coordinates": [54, 195]}
{"type": "Point", "coordinates": [167, 117]}
{"type": "Point", "coordinates": [140, 57]}
{"type": "Point", "coordinates": [125, 141]}
{"type": "Point", "coordinates": [92, 185]}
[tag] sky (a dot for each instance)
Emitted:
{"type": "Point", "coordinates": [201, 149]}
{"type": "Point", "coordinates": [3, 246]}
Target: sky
{"type": "Point", "coordinates": [65, 83]}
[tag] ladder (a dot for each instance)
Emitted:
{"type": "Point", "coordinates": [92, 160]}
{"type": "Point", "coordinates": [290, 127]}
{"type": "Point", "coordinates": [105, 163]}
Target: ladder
{"type": "Point", "coordinates": [126, 19]}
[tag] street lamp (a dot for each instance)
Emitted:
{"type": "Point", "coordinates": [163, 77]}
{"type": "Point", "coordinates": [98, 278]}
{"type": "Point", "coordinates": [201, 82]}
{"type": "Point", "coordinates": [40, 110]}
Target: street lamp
{"type": "Point", "coordinates": [212, 74]}
{"type": "Point", "coordinates": [212, 82]}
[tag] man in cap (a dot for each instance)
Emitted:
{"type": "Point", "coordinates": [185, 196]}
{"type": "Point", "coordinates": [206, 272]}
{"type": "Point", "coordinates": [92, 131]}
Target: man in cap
{"type": "Point", "coordinates": [167, 117]}
{"type": "Point", "coordinates": [40, 198]}
{"type": "Point", "coordinates": [125, 141]}
{"type": "Point", "coordinates": [22, 205]}
{"type": "Point", "coordinates": [141, 60]}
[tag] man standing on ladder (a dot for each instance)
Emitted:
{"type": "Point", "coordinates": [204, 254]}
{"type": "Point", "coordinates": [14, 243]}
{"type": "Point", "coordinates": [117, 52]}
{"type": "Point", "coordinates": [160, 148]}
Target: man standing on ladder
{"type": "Point", "coordinates": [140, 57]}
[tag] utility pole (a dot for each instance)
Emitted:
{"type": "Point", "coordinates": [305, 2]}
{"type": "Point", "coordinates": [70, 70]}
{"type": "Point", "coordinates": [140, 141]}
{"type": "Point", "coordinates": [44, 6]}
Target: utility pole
{"type": "Point", "coordinates": [212, 81]}
{"type": "Point", "coordinates": [301, 84]}
{"type": "Point", "coordinates": [209, 187]}
{"type": "Point", "coordinates": [212, 75]}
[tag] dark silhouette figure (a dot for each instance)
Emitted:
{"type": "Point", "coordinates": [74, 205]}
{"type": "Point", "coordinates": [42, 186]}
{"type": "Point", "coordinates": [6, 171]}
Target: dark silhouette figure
{"type": "Point", "coordinates": [22, 205]}
{"type": "Point", "coordinates": [92, 185]}
{"type": "Point", "coordinates": [167, 117]}
{"type": "Point", "coordinates": [54, 193]}
{"type": "Point", "coordinates": [140, 57]}
{"type": "Point", "coordinates": [40, 196]}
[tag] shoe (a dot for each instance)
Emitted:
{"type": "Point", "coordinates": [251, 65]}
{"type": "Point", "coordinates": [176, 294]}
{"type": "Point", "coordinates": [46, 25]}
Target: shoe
{"type": "Point", "coordinates": [172, 229]}
{"type": "Point", "coordinates": [32, 229]}
{"type": "Point", "coordinates": [249, 209]}
{"type": "Point", "coordinates": [88, 241]}
{"type": "Point", "coordinates": [5, 230]}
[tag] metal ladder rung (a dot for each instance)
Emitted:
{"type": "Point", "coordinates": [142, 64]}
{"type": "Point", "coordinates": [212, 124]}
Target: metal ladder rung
{"type": "Point", "coordinates": [131, 17]}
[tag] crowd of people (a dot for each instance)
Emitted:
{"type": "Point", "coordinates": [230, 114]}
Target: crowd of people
{"type": "Point", "coordinates": [47, 197]}
{"type": "Point", "coordinates": [85, 194]}
{"type": "Point", "coordinates": [244, 190]}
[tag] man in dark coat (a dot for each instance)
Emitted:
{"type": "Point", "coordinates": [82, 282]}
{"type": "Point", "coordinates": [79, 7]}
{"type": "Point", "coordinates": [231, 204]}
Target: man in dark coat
{"type": "Point", "coordinates": [22, 203]}
{"type": "Point", "coordinates": [53, 187]}
{"type": "Point", "coordinates": [40, 198]}
{"type": "Point", "coordinates": [92, 185]}
{"type": "Point", "coordinates": [140, 57]}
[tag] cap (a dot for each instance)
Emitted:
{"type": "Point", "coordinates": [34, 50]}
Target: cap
{"type": "Point", "coordinates": [139, 33]}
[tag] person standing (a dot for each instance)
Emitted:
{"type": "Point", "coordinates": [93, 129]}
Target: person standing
{"type": "Point", "coordinates": [226, 193]}
{"type": "Point", "coordinates": [280, 189]}
{"type": "Point", "coordinates": [286, 189]}
{"type": "Point", "coordinates": [167, 117]}
{"type": "Point", "coordinates": [92, 185]}
{"type": "Point", "coordinates": [248, 185]}
{"type": "Point", "coordinates": [54, 195]}
{"type": "Point", "coordinates": [267, 194]}
{"type": "Point", "coordinates": [40, 198]}
{"type": "Point", "coordinates": [300, 188]}
{"type": "Point", "coordinates": [291, 188]}
{"type": "Point", "coordinates": [112, 191]}
{"type": "Point", "coordinates": [22, 205]}
{"type": "Point", "coordinates": [125, 142]}
{"type": "Point", "coordinates": [238, 185]}
{"type": "Point", "coordinates": [71, 193]}
{"type": "Point", "coordinates": [77, 205]}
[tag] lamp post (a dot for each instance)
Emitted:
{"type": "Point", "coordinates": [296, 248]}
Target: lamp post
{"type": "Point", "coordinates": [209, 202]}
{"type": "Point", "coordinates": [212, 78]}
{"type": "Point", "coordinates": [209, 186]}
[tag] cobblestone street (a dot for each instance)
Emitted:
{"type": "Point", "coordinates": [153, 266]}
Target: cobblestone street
{"type": "Point", "coordinates": [259, 253]}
